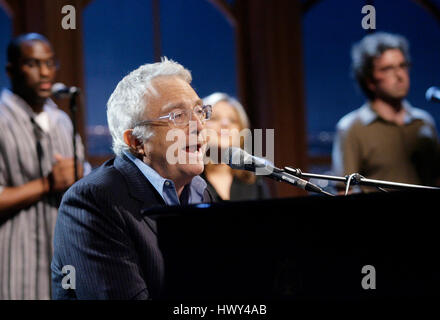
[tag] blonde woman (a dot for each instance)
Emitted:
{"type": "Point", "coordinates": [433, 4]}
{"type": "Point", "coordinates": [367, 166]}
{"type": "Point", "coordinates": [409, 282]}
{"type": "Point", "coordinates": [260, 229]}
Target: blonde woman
{"type": "Point", "coordinates": [227, 119]}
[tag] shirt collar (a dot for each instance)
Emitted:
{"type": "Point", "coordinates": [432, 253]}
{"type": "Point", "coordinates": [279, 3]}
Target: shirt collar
{"type": "Point", "coordinates": [367, 115]}
{"type": "Point", "coordinates": [15, 101]}
{"type": "Point", "coordinates": [155, 179]}
{"type": "Point", "coordinates": [192, 193]}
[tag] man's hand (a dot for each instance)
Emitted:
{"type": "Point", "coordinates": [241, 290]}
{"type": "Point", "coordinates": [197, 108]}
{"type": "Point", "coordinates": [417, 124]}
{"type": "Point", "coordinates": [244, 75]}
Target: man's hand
{"type": "Point", "coordinates": [63, 173]}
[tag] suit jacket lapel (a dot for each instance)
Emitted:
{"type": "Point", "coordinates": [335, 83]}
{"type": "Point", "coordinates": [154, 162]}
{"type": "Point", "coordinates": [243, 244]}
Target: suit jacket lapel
{"type": "Point", "coordinates": [139, 188]}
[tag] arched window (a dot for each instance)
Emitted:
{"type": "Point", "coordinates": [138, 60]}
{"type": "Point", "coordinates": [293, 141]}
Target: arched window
{"type": "Point", "coordinates": [119, 37]}
{"type": "Point", "coordinates": [197, 35]}
{"type": "Point", "coordinates": [330, 28]}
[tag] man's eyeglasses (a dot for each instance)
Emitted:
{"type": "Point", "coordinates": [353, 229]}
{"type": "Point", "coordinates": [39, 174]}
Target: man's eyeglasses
{"type": "Point", "coordinates": [391, 69]}
{"type": "Point", "coordinates": [181, 118]}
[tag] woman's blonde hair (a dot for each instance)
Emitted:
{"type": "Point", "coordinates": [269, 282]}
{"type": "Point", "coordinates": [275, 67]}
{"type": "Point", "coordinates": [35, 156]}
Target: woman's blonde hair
{"type": "Point", "coordinates": [213, 99]}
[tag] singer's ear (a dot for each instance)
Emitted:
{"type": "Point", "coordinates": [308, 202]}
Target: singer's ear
{"type": "Point", "coordinates": [12, 70]}
{"type": "Point", "coordinates": [134, 143]}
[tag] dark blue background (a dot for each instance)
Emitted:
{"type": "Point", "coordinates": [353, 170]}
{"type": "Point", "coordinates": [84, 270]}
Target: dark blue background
{"type": "Point", "coordinates": [330, 29]}
{"type": "Point", "coordinates": [118, 37]}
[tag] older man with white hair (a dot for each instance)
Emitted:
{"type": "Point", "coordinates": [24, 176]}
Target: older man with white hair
{"type": "Point", "coordinates": [105, 247]}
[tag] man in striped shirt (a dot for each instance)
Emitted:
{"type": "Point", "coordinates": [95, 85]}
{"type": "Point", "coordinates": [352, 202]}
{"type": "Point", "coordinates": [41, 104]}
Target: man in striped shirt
{"type": "Point", "coordinates": [36, 166]}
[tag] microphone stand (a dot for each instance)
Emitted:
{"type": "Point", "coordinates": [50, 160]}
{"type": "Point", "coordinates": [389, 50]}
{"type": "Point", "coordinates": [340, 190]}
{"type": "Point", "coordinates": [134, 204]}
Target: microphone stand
{"type": "Point", "coordinates": [73, 109]}
{"type": "Point", "coordinates": [357, 179]}
{"type": "Point", "coordinates": [281, 175]}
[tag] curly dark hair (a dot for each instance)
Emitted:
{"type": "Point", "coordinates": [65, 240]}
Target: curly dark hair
{"type": "Point", "coordinates": [370, 47]}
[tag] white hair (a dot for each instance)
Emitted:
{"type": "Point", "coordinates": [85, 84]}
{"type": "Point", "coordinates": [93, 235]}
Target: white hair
{"type": "Point", "coordinates": [128, 102]}
{"type": "Point", "coordinates": [217, 97]}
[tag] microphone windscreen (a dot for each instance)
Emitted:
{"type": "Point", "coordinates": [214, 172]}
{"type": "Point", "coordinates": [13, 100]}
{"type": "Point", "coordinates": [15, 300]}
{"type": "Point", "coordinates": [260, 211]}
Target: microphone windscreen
{"type": "Point", "coordinates": [433, 94]}
{"type": "Point", "coordinates": [233, 157]}
{"type": "Point", "coordinates": [60, 90]}
{"type": "Point", "coordinates": [57, 87]}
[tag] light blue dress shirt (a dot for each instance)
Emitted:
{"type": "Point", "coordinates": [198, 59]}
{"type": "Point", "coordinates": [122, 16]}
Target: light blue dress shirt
{"type": "Point", "coordinates": [192, 193]}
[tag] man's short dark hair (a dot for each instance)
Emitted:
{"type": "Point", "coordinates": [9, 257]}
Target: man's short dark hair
{"type": "Point", "coordinates": [370, 47]}
{"type": "Point", "coordinates": [14, 46]}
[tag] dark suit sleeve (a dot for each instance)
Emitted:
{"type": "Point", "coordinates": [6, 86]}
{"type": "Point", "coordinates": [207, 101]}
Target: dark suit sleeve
{"type": "Point", "coordinates": [90, 235]}
{"type": "Point", "coordinates": [207, 196]}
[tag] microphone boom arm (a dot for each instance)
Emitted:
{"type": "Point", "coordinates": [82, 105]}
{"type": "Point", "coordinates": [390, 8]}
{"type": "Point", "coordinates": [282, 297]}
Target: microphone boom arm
{"type": "Point", "coordinates": [360, 180]}
{"type": "Point", "coordinates": [281, 175]}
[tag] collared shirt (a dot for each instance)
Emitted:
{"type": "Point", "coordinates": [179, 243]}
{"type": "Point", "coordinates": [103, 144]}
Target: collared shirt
{"type": "Point", "coordinates": [367, 114]}
{"type": "Point", "coordinates": [28, 143]}
{"type": "Point", "coordinates": [367, 144]}
{"type": "Point", "coordinates": [192, 193]}
{"type": "Point", "coordinates": [49, 119]}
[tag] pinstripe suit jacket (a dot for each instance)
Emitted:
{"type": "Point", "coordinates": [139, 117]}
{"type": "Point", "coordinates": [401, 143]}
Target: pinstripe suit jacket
{"type": "Point", "coordinates": [102, 232]}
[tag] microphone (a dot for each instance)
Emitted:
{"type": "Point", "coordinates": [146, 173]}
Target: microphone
{"type": "Point", "coordinates": [237, 158]}
{"type": "Point", "coordinates": [433, 94]}
{"type": "Point", "coordinates": [60, 90]}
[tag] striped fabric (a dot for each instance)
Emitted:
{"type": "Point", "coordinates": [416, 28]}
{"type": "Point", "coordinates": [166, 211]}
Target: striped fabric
{"type": "Point", "coordinates": [27, 153]}
{"type": "Point", "coordinates": [104, 230]}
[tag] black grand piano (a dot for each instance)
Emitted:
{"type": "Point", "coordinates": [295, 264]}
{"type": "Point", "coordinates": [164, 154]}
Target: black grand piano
{"type": "Point", "coordinates": [312, 247]}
